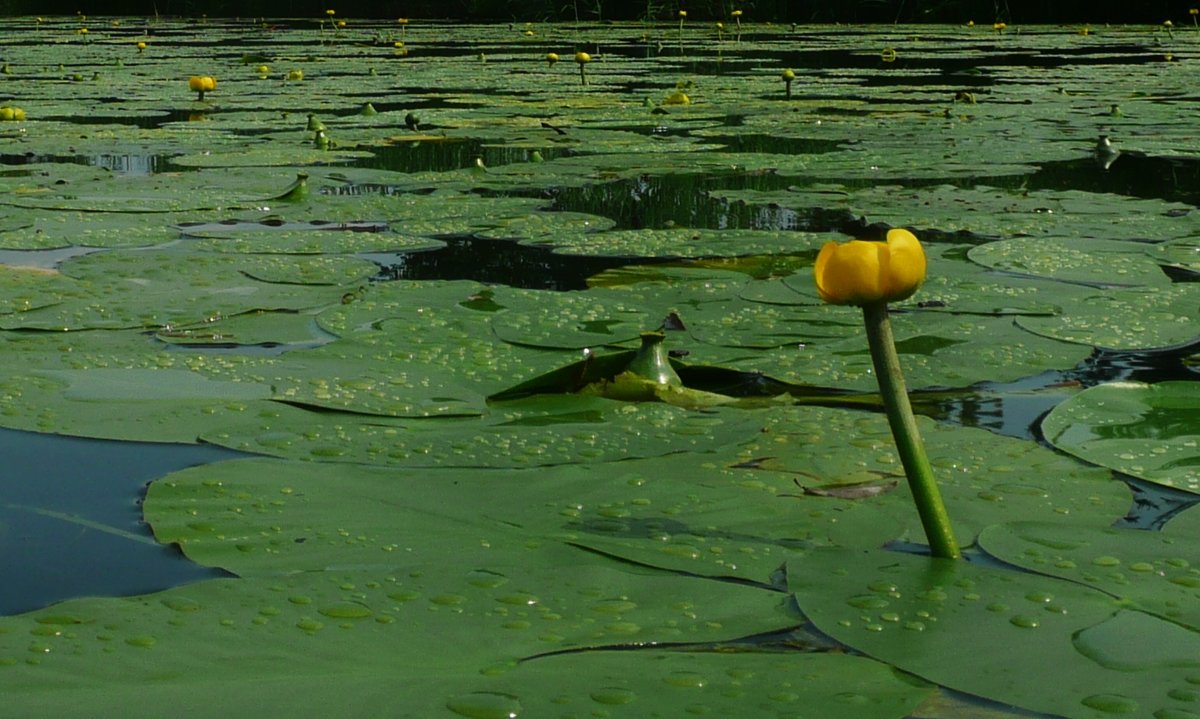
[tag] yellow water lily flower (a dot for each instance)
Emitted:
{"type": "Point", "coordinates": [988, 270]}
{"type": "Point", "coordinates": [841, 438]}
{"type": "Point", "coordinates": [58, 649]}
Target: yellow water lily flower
{"type": "Point", "coordinates": [678, 98]}
{"type": "Point", "coordinates": [861, 272]}
{"type": "Point", "coordinates": [201, 84]}
{"type": "Point", "coordinates": [583, 59]}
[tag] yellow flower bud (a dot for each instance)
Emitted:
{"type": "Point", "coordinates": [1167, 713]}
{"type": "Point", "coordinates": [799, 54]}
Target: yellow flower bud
{"type": "Point", "coordinates": [202, 83]}
{"type": "Point", "coordinates": [582, 57]}
{"type": "Point", "coordinates": [862, 272]}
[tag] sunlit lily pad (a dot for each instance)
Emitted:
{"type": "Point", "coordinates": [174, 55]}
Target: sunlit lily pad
{"type": "Point", "coordinates": [1127, 319]}
{"type": "Point", "coordinates": [382, 622]}
{"type": "Point", "coordinates": [573, 321]}
{"type": "Point", "coordinates": [144, 289]}
{"type": "Point", "coordinates": [267, 329]}
{"type": "Point", "coordinates": [685, 243]}
{"type": "Point", "coordinates": [525, 434]}
{"type": "Point", "coordinates": [1096, 262]}
{"type": "Point", "coordinates": [936, 350]}
{"type": "Point", "coordinates": [930, 617]}
{"type": "Point", "coordinates": [1147, 431]}
{"type": "Point", "coordinates": [1184, 252]}
{"type": "Point", "coordinates": [984, 478]}
{"type": "Point", "coordinates": [313, 241]}
{"type": "Point", "coordinates": [1155, 572]}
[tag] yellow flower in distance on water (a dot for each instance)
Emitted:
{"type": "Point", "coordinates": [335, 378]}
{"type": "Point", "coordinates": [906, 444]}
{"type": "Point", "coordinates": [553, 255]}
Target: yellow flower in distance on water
{"type": "Point", "coordinates": [861, 272]}
{"type": "Point", "coordinates": [201, 84]}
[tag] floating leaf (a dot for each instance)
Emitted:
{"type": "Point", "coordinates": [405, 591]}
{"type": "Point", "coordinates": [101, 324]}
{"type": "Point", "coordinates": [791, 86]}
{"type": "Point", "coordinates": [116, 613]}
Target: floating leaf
{"type": "Point", "coordinates": [1154, 572]}
{"type": "Point", "coordinates": [1147, 431]}
{"type": "Point", "coordinates": [931, 616]}
{"type": "Point", "coordinates": [1098, 262]}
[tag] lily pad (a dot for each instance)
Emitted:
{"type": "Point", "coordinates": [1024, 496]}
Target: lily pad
{"type": "Point", "coordinates": [488, 607]}
{"type": "Point", "coordinates": [1143, 430]}
{"type": "Point", "coordinates": [1154, 572]}
{"type": "Point", "coordinates": [1127, 319]}
{"type": "Point", "coordinates": [930, 616]}
{"type": "Point", "coordinates": [143, 289]}
{"type": "Point", "coordinates": [1098, 262]}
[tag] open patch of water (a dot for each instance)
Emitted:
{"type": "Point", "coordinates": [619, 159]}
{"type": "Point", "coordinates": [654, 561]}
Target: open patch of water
{"type": "Point", "coordinates": [660, 201]}
{"type": "Point", "coordinates": [499, 262]}
{"type": "Point", "coordinates": [70, 518]}
{"type": "Point", "coordinates": [122, 163]}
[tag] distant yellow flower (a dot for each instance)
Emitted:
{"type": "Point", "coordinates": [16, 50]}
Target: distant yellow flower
{"type": "Point", "coordinates": [141, 46]}
{"type": "Point", "coordinates": [551, 58]}
{"type": "Point", "coordinates": [402, 20]}
{"type": "Point", "coordinates": [1000, 26]}
{"type": "Point", "coordinates": [736, 13]}
{"type": "Point", "coordinates": [201, 84]}
{"type": "Point", "coordinates": [861, 272]}
{"type": "Point", "coordinates": [330, 13]}
{"type": "Point", "coordinates": [682, 13]}
{"type": "Point", "coordinates": [583, 59]}
{"type": "Point", "coordinates": [679, 97]}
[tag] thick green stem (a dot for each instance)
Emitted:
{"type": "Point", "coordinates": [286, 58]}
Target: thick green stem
{"type": "Point", "coordinates": [904, 429]}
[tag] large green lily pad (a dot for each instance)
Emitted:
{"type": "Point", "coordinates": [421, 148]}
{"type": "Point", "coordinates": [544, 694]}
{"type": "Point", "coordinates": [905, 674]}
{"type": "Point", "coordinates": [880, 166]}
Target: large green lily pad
{"type": "Point", "coordinates": [932, 616]}
{"type": "Point", "coordinates": [1147, 431]}
{"type": "Point", "coordinates": [1153, 571]}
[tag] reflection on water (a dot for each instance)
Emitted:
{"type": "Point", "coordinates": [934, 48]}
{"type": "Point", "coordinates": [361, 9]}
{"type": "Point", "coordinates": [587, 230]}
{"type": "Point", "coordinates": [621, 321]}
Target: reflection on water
{"type": "Point", "coordinates": [662, 201]}
{"type": "Point", "coordinates": [496, 262]}
{"type": "Point", "coordinates": [70, 517]}
{"type": "Point", "coordinates": [1132, 174]}
{"type": "Point", "coordinates": [1015, 409]}
{"type": "Point", "coordinates": [123, 164]}
{"type": "Point", "coordinates": [446, 155]}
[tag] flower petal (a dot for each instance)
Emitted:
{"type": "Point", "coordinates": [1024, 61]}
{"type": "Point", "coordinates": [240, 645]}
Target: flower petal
{"type": "Point", "coordinates": [904, 269]}
{"type": "Point", "coordinates": [849, 274]}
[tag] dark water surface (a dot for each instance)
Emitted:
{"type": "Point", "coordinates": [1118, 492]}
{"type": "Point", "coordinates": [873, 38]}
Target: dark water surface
{"type": "Point", "coordinates": [71, 519]}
